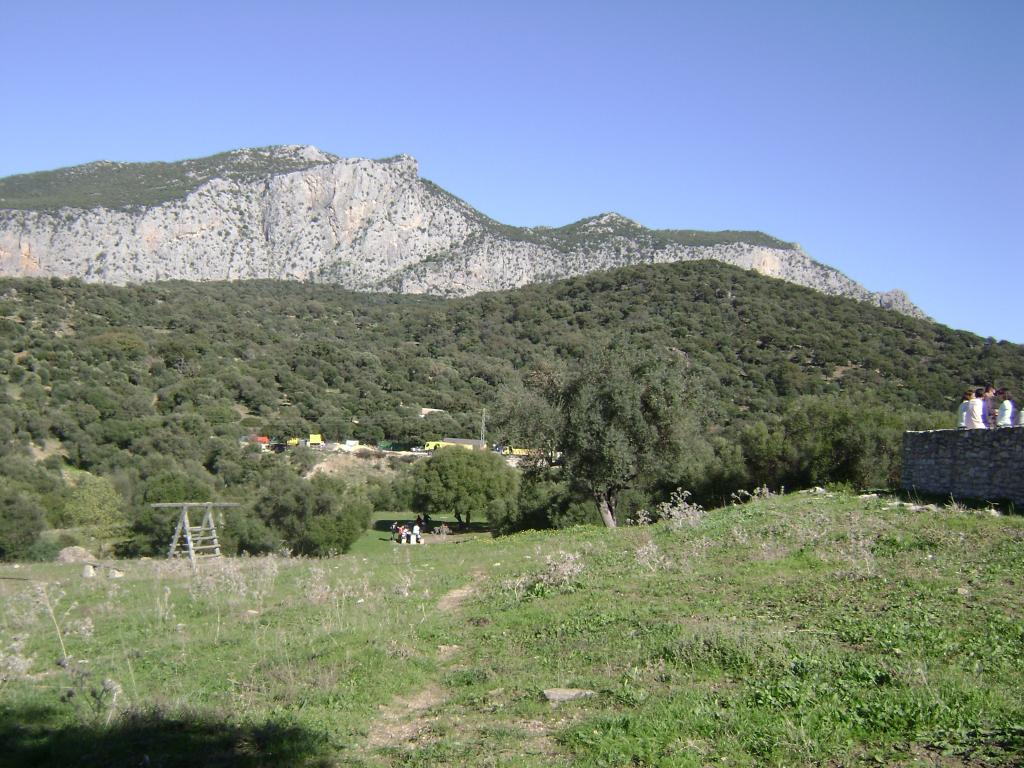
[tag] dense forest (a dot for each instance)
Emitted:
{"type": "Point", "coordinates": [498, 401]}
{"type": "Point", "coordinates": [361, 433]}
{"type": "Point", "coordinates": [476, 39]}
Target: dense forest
{"type": "Point", "coordinates": [139, 394]}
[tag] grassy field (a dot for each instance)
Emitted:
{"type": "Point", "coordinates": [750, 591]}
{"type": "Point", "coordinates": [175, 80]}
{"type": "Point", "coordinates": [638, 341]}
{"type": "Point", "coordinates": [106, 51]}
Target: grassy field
{"type": "Point", "coordinates": [810, 629]}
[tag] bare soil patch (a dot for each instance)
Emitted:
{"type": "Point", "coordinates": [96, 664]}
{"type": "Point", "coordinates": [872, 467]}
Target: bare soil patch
{"type": "Point", "coordinates": [451, 601]}
{"type": "Point", "coordinates": [447, 652]}
{"type": "Point", "coordinates": [405, 719]}
{"type": "Point", "coordinates": [354, 466]}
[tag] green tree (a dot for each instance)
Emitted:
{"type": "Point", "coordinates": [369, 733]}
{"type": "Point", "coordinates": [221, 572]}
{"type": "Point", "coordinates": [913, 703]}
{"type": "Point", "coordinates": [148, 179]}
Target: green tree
{"type": "Point", "coordinates": [627, 420]}
{"type": "Point", "coordinates": [529, 417]}
{"type": "Point", "coordinates": [96, 507]}
{"type": "Point", "coordinates": [461, 482]}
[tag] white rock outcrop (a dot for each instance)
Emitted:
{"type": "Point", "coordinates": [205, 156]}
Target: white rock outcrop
{"type": "Point", "coordinates": [368, 225]}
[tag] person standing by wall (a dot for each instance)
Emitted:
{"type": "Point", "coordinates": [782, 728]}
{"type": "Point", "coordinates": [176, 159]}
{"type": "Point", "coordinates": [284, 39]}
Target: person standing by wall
{"type": "Point", "coordinates": [975, 410]}
{"type": "Point", "coordinates": [988, 412]}
{"type": "Point", "coordinates": [961, 415]}
{"type": "Point", "coordinates": [1005, 416]}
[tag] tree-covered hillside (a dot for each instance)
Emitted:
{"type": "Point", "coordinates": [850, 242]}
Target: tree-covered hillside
{"type": "Point", "coordinates": [159, 380]}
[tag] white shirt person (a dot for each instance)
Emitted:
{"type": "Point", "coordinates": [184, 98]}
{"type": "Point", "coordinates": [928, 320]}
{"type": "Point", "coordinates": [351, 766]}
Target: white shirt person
{"type": "Point", "coordinates": [976, 411]}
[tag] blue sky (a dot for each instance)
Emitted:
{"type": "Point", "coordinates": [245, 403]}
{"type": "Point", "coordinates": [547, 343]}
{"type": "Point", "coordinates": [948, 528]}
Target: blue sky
{"type": "Point", "coordinates": [883, 136]}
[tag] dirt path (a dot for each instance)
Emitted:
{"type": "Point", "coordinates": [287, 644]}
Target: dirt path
{"type": "Point", "coordinates": [406, 719]}
{"type": "Point", "coordinates": [452, 600]}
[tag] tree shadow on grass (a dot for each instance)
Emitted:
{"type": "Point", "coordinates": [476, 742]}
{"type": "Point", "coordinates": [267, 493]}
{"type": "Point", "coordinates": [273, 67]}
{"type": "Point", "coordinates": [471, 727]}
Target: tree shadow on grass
{"type": "Point", "coordinates": [29, 738]}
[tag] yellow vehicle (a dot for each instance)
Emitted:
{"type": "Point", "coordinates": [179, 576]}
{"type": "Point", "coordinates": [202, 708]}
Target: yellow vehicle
{"type": "Point", "coordinates": [508, 450]}
{"type": "Point", "coordinates": [461, 442]}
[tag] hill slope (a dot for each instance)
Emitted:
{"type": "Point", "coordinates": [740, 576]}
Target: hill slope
{"type": "Point", "coordinates": [167, 375]}
{"type": "Point", "coordinates": [298, 213]}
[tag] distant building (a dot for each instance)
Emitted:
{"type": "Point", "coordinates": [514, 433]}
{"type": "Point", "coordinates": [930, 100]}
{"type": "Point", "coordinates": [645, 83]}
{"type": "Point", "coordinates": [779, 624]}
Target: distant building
{"type": "Point", "coordinates": [260, 440]}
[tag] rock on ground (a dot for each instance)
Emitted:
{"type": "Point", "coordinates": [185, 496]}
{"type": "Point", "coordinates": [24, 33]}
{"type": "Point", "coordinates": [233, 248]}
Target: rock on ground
{"type": "Point", "coordinates": [75, 555]}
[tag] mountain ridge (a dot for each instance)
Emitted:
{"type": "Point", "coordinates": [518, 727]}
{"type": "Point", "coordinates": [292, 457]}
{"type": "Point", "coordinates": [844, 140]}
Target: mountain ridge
{"type": "Point", "coordinates": [297, 213]}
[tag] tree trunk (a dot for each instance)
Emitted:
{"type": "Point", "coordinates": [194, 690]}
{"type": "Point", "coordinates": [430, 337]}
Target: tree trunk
{"type": "Point", "coordinates": [606, 507]}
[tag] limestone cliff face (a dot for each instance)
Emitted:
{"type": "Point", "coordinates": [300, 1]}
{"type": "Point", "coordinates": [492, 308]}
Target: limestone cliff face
{"type": "Point", "coordinates": [296, 213]}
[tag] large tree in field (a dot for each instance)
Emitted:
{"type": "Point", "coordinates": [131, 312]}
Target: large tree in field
{"type": "Point", "coordinates": [462, 482]}
{"type": "Point", "coordinates": [626, 419]}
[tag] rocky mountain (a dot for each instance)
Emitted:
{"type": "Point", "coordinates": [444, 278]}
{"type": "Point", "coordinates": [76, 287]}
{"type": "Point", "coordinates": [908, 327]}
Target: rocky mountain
{"type": "Point", "coordinates": [297, 213]}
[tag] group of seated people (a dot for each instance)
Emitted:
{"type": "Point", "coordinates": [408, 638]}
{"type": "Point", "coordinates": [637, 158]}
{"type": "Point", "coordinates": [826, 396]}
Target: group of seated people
{"type": "Point", "coordinates": [988, 408]}
{"type": "Point", "coordinates": [410, 533]}
{"type": "Point", "coordinates": [404, 532]}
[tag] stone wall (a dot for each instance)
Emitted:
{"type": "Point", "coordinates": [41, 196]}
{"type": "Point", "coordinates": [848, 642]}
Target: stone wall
{"type": "Point", "coordinates": [985, 464]}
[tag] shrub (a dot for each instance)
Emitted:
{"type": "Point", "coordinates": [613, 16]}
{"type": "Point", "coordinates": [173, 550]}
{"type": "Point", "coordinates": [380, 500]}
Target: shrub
{"type": "Point", "coordinates": [44, 550]}
{"type": "Point", "coordinates": [314, 518]}
{"type": "Point", "coordinates": [175, 486]}
{"type": "Point", "coordinates": [348, 520]}
{"type": "Point", "coordinates": [245, 533]}
{"type": "Point", "coordinates": [545, 503]}
{"type": "Point", "coordinates": [20, 524]}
